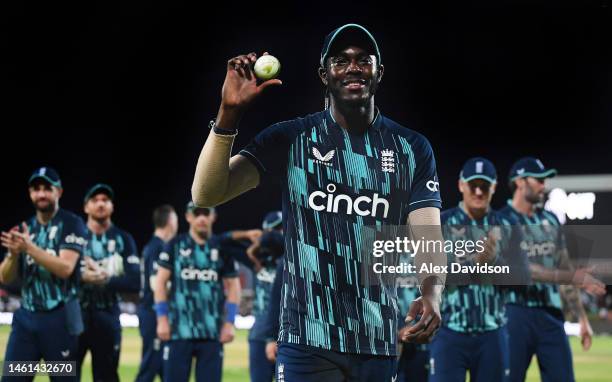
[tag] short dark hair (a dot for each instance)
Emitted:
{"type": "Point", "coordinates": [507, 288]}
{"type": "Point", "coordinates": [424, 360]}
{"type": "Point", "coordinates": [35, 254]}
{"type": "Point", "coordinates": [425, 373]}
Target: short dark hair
{"type": "Point", "coordinates": [161, 215]}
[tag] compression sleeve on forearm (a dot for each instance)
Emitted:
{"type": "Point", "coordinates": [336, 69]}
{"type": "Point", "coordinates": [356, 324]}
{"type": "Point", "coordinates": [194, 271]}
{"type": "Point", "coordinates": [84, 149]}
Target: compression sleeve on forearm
{"type": "Point", "coordinates": [218, 177]}
{"type": "Point", "coordinates": [425, 223]}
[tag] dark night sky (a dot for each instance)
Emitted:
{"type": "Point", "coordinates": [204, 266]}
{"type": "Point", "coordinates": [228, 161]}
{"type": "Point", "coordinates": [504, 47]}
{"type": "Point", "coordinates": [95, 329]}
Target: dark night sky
{"type": "Point", "coordinates": [122, 93]}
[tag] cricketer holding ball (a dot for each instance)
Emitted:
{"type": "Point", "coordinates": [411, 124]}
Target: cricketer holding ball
{"type": "Point", "coordinates": [335, 326]}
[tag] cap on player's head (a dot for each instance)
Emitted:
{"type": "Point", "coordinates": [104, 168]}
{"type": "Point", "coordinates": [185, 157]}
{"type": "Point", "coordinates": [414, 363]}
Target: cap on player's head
{"type": "Point", "coordinates": [47, 175]}
{"type": "Point", "coordinates": [530, 166]}
{"type": "Point", "coordinates": [192, 208]}
{"type": "Point", "coordinates": [100, 188]}
{"type": "Point", "coordinates": [478, 168]}
{"type": "Point", "coordinates": [272, 220]}
{"type": "Point", "coordinates": [346, 35]}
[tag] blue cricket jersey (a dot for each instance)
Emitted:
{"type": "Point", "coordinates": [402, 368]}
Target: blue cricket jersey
{"type": "Point", "coordinates": [333, 184]}
{"type": "Point", "coordinates": [41, 290]}
{"type": "Point", "coordinates": [543, 241]}
{"type": "Point", "coordinates": [115, 242]}
{"type": "Point", "coordinates": [196, 297]}
{"type": "Point", "coordinates": [148, 270]}
{"type": "Point", "coordinates": [479, 308]}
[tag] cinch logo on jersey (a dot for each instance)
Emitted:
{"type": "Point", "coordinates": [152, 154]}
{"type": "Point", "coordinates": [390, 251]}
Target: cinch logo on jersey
{"type": "Point", "coordinates": [199, 274]}
{"type": "Point", "coordinates": [363, 205]}
{"type": "Point", "coordinates": [74, 239]}
{"type": "Point", "coordinates": [545, 248]}
{"type": "Point", "coordinates": [432, 186]}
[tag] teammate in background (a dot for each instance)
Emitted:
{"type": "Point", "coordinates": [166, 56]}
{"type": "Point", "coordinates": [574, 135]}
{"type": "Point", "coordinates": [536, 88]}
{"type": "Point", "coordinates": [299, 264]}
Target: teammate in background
{"type": "Point", "coordinates": [196, 313]}
{"type": "Point", "coordinates": [340, 169]}
{"type": "Point", "coordinates": [413, 363]}
{"type": "Point", "coordinates": [266, 253]}
{"type": "Point", "coordinates": [44, 252]}
{"type": "Point", "coordinates": [535, 319]}
{"type": "Point", "coordinates": [473, 337]}
{"type": "Point", "coordinates": [271, 324]}
{"type": "Point", "coordinates": [110, 266]}
{"type": "Point", "coordinates": [165, 222]}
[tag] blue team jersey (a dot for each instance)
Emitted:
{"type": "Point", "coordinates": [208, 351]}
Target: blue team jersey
{"type": "Point", "coordinates": [333, 184]}
{"type": "Point", "coordinates": [264, 279]}
{"type": "Point", "coordinates": [543, 241]}
{"type": "Point", "coordinates": [479, 308]}
{"type": "Point", "coordinates": [148, 270]}
{"type": "Point", "coordinates": [196, 297]}
{"type": "Point", "coordinates": [113, 245]}
{"type": "Point", "coordinates": [41, 290]}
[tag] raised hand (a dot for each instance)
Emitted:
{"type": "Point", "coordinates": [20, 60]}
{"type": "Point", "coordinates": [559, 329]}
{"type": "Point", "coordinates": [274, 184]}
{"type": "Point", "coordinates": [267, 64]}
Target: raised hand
{"type": "Point", "coordinates": [240, 87]}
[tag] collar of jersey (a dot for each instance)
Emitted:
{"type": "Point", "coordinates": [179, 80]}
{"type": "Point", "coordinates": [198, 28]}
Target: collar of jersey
{"type": "Point", "coordinates": [376, 123]}
{"type": "Point", "coordinates": [35, 221]}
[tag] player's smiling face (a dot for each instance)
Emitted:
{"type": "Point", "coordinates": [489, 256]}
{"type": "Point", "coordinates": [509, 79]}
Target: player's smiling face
{"type": "Point", "coordinates": [44, 196]}
{"type": "Point", "coordinates": [352, 75]}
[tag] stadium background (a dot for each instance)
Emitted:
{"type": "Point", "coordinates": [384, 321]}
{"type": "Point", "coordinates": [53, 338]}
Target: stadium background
{"type": "Point", "coordinates": [122, 92]}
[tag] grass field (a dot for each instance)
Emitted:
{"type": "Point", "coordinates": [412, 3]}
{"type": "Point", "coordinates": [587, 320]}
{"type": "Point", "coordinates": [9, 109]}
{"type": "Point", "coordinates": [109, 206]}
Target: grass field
{"type": "Point", "coordinates": [592, 366]}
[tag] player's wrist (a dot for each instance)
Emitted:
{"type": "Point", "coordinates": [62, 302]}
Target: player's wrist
{"type": "Point", "coordinates": [228, 118]}
{"type": "Point", "coordinates": [231, 310]}
{"type": "Point", "coordinates": [161, 309]}
{"type": "Point", "coordinates": [432, 286]}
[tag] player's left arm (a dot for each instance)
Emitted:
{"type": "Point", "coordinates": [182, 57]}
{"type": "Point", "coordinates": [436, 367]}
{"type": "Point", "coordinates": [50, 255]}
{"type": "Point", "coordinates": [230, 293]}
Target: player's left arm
{"type": "Point", "coordinates": [232, 299]}
{"type": "Point", "coordinates": [571, 296]}
{"type": "Point", "coordinates": [424, 223]}
{"type": "Point", "coordinates": [129, 281]}
{"type": "Point", "coordinates": [231, 286]}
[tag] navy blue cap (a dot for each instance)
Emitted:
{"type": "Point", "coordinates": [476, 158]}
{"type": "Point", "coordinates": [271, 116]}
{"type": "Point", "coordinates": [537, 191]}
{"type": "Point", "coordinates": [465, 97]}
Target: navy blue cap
{"type": "Point", "coordinates": [191, 207]}
{"type": "Point", "coordinates": [354, 33]}
{"type": "Point", "coordinates": [47, 174]}
{"type": "Point", "coordinates": [272, 220]}
{"type": "Point", "coordinates": [478, 168]}
{"type": "Point", "coordinates": [530, 166]}
{"type": "Point", "coordinates": [100, 188]}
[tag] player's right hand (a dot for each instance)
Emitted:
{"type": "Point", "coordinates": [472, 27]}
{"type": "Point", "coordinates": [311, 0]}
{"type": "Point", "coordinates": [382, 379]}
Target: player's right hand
{"type": "Point", "coordinates": [163, 328]}
{"type": "Point", "coordinates": [427, 326]}
{"type": "Point", "coordinates": [240, 87]}
{"type": "Point", "coordinates": [227, 333]}
{"type": "Point", "coordinates": [271, 350]}
{"type": "Point", "coordinates": [489, 252]}
{"type": "Point", "coordinates": [9, 242]}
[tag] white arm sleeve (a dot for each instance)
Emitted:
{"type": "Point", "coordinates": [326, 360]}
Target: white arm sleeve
{"type": "Point", "coordinates": [425, 223]}
{"type": "Point", "coordinates": [219, 178]}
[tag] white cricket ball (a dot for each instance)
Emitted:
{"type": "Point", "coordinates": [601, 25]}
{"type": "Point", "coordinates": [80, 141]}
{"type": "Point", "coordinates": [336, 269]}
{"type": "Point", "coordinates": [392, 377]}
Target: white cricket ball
{"type": "Point", "coordinates": [267, 67]}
